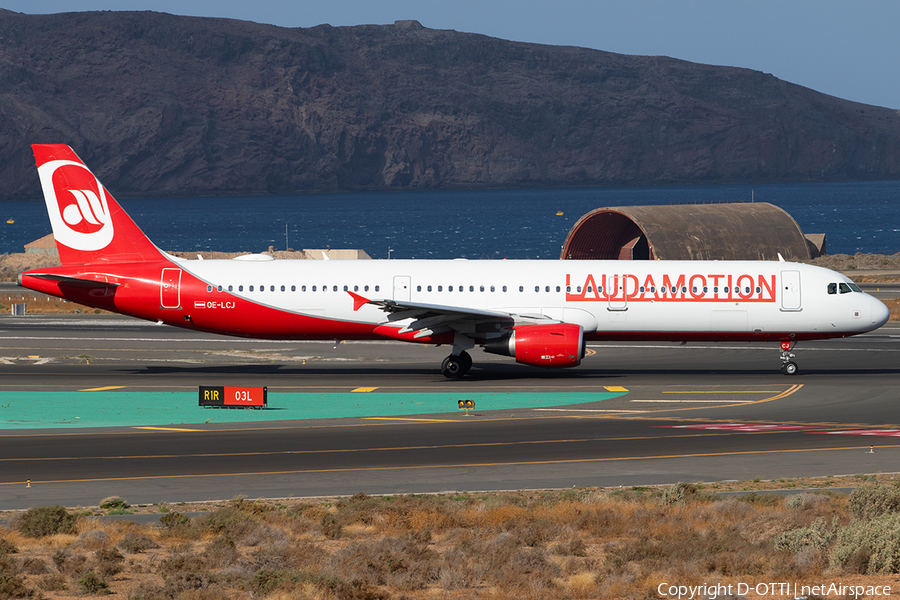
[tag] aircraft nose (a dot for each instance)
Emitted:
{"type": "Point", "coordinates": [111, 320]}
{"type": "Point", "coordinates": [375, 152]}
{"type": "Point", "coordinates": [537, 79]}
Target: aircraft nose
{"type": "Point", "coordinates": [880, 313]}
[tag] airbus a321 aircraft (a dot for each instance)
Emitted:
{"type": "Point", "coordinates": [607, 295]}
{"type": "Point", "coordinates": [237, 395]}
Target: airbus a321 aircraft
{"type": "Point", "coordinates": [541, 312]}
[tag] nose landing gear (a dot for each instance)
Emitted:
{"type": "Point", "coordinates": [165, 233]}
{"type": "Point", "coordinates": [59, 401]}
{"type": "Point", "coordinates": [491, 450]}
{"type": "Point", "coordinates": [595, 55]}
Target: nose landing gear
{"type": "Point", "coordinates": [788, 366]}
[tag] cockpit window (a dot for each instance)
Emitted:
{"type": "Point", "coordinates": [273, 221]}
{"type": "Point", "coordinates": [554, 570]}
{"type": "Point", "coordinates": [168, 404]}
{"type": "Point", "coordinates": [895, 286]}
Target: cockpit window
{"type": "Point", "coordinates": [845, 288]}
{"type": "Point", "coordinates": [855, 287]}
{"type": "Point", "coordinates": [832, 288]}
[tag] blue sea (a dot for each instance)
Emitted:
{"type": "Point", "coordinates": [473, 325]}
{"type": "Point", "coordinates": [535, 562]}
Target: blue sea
{"type": "Point", "coordinates": [856, 217]}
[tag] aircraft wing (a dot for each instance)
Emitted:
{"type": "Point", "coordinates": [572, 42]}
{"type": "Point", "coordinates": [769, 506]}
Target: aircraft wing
{"type": "Point", "coordinates": [431, 319]}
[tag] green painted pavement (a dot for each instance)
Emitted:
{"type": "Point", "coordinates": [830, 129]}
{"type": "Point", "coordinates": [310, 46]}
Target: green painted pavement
{"type": "Point", "coordinates": [39, 410]}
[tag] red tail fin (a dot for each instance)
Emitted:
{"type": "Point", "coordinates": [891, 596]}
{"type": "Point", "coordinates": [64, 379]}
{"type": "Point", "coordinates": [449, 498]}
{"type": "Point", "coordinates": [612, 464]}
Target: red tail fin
{"type": "Point", "coordinates": [88, 224]}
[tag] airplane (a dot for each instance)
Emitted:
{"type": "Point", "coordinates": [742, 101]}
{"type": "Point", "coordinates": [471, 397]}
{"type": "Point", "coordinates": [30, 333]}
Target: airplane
{"type": "Point", "coordinates": [540, 312]}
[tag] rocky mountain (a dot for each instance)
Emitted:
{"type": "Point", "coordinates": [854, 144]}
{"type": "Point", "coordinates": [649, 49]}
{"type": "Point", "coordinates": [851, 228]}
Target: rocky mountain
{"type": "Point", "coordinates": [166, 105]}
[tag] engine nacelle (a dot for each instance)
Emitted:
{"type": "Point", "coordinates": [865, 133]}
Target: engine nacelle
{"type": "Point", "coordinates": [552, 346]}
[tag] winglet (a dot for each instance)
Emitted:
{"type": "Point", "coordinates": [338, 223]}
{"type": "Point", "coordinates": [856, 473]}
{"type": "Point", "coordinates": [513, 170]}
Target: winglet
{"type": "Point", "coordinates": [358, 301]}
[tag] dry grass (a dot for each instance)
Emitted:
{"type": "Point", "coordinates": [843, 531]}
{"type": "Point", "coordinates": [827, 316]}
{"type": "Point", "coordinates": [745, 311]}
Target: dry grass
{"type": "Point", "coordinates": [531, 545]}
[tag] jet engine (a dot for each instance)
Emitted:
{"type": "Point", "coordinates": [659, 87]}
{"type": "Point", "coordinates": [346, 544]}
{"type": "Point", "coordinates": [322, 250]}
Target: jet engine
{"type": "Point", "coordinates": [553, 346]}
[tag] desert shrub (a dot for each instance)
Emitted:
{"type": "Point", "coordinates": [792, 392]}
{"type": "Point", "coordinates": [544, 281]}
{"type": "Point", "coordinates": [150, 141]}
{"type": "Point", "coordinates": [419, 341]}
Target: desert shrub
{"type": "Point", "coordinates": [45, 520]}
{"type": "Point", "coordinates": [230, 520]}
{"type": "Point", "coordinates": [91, 583]}
{"type": "Point", "coordinates": [33, 565]}
{"type": "Point", "coordinates": [92, 540]}
{"type": "Point", "coordinates": [331, 527]}
{"type": "Point", "coordinates": [114, 503]}
{"type": "Point", "coordinates": [54, 582]}
{"type": "Point", "coordinates": [135, 543]}
{"type": "Point", "coordinates": [869, 501]}
{"type": "Point", "coordinates": [69, 562]}
{"type": "Point", "coordinates": [174, 519]}
{"type": "Point", "coordinates": [221, 552]}
{"type": "Point", "coordinates": [7, 547]}
{"type": "Point", "coordinates": [683, 493]}
{"type": "Point", "coordinates": [398, 562]}
{"type": "Point", "coordinates": [871, 546]}
{"type": "Point", "coordinates": [758, 499]}
{"type": "Point", "coordinates": [575, 547]}
{"type": "Point", "coordinates": [817, 536]}
{"type": "Point", "coordinates": [109, 562]}
{"type": "Point", "coordinates": [13, 586]}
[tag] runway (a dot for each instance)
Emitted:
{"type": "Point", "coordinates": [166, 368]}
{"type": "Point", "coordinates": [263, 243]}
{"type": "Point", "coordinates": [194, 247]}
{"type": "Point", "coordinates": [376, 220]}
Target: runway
{"type": "Point", "coordinates": [632, 414]}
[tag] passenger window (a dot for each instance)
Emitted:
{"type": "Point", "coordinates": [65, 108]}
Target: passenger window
{"type": "Point", "coordinates": [209, 288]}
{"type": "Point", "coordinates": [504, 288]}
{"type": "Point", "coordinates": [844, 288]}
{"type": "Point", "coordinates": [440, 288]}
{"type": "Point", "coordinates": [429, 288]}
{"type": "Point", "coordinates": [418, 288]}
{"type": "Point", "coordinates": [293, 288]}
{"type": "Point", "coordinates": [302, 288]}
{"type": "Point", "coordinates": [376, 288]}
{"type": "Point", "coordinates": [694, 289]}
{"type": "Point", "coordinates": [568, 288]}
{"type": "Point", "coordinates": [642, 289]}
{"type": "Point", "coordinates": [251, 288]}
{"type": "Point", "coordinates": [578, 289]}
{"type": "Point", "coordinates": [355, 288]}
{"type": "Point", "coordinates": [590, 289]}
{"type": "Point", "coordinates": [282, 288]}
{"type": "Point", "coordinates": [537, 288]}
{"type": "Point", "coordinates": [240, 288]}
{"type": "Point", "coordinates": [449, 288]}
{"type": "Point", "coordinates": [521, 288]}
{"type": "Point", "coordinates": [471, 288]}
{"type": "Point", "coordinates": [481, 288]}
{"type": "Point", "coordinates": [557, 288]}
{"type": "Point", "coordinates": [262, 288]}
{"type": "Point", "coordinates": [365, 288]}
{"type": "Point", "coordinates": [346, 288]}
{"type": "Point", "coordinates": [271, 288]}
{"type": "Point", "coordinates": [334, 288]}
{"type": "Point", "coordinates": [492, 288]}
{"type": "Point", "coordinates": [230, 288]}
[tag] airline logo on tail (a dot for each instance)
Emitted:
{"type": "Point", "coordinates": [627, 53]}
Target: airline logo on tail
{"type": "Point", "coordinates": [77, 205]}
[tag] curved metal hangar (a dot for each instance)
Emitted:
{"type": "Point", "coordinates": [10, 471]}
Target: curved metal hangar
{"type": "Point", "coordinates": [745, 231]}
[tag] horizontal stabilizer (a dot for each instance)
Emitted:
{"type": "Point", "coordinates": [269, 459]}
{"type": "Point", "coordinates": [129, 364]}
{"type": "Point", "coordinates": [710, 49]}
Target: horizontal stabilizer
{"type": "Point", "coordinates": [76, 281]}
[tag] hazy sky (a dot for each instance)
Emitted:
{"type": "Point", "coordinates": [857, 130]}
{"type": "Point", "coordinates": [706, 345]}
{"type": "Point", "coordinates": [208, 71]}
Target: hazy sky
{"type": "Point", "coordinates": [843, 48]}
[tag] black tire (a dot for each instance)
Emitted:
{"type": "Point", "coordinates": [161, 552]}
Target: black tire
{"type": "Point", "coordinates": [789, 368]}
{"type": "Point", "coordinates": [456, 366]}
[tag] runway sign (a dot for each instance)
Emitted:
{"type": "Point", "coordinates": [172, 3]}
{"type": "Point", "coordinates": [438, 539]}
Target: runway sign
{"type": "Point", "coordinates": [233, 397]}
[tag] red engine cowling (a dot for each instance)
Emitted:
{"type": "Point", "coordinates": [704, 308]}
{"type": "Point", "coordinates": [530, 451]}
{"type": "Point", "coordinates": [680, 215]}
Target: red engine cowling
{"type": "Point", "coordinates": [552, 346]}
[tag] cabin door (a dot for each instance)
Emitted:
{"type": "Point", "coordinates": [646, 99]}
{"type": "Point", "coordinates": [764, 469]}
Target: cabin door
{"type": "Point", "coordinates": [401, 288]}
{"type": "Point", "coordinates": [790, 290]}
{"type": "Point", "coordinates": [170, 289]}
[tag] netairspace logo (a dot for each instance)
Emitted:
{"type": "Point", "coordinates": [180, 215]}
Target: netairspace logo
{"type": "Point", "coordinates": [796, 591]}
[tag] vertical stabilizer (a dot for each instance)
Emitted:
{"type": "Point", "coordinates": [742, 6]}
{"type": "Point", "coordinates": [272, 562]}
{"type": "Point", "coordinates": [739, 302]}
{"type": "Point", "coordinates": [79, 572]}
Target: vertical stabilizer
{"type": "Point", "coordinates": [88, 224]}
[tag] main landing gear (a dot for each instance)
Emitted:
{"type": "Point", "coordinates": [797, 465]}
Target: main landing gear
{"type": "Point", "coordinates": [788, 366]}
{"type": "Point", "coordinates": [456, 365]}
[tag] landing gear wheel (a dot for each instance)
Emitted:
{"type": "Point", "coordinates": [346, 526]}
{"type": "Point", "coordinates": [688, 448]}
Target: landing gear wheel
{"type": "Point", "coordinates": [789, 368]}
{"type": "Point", "coordinates": [456, 365]}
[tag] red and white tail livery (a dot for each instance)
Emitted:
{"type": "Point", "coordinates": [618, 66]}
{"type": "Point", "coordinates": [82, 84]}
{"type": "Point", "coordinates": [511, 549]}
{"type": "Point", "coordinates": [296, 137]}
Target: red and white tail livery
{"type": "Point", "coordinates": [541, 312]}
